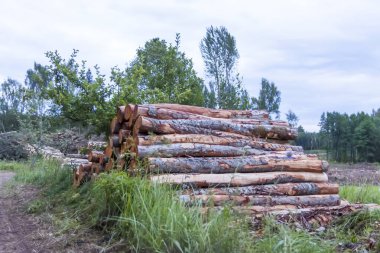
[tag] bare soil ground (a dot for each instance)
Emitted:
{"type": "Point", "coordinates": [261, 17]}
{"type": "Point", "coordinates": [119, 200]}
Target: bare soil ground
{"type": "Point", "coordinates": [354, 174]}
{"type": "Point", "coordinates": [21, 232]}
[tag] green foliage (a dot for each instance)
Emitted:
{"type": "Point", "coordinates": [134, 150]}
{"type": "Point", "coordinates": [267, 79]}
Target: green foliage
{"type": "Point", "coordinates": [80, 96]}
{"type": "Point", "coordinates": [11, 105]}
{"type": "Point", "coordinates": [153, 219]}
{"type": "Point", "coordinates": [292, 118]}
{"type": "Point", "coordinates": [351, 138]}
{"type": "Point", "coordinates": [220, 56]}
{"type": "Point", "coordinates": [269, 98]}
{"type": "Point", "coordinates": [281, 238]}
{"type": "Point", "coordinates": [159, 73]}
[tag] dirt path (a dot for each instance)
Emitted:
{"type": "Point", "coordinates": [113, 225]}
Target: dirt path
{"type": "Point", "coordinates": [14, 229]}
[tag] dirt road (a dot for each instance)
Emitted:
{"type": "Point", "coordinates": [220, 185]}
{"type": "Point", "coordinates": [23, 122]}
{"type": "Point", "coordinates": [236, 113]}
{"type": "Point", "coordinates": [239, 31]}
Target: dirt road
{"type": "Point", "coordinates": [15, 230]}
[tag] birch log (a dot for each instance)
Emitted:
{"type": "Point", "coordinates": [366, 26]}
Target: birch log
{"type": "Point", "coordinates": [239, 179]}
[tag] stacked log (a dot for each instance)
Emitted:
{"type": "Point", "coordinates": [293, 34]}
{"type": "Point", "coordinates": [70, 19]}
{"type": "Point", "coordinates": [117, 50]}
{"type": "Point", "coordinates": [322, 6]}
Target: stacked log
{"type": "Point", "coordinates": [216, 157]}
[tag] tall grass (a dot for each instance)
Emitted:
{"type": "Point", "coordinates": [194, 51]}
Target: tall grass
{"type": "Point", "coordinates": [153, 219]}
{"type": "Point", "coordinates": [360, 194]}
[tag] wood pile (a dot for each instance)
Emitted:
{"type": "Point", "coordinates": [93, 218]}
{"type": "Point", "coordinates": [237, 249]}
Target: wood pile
{"type": "Point", "coordinates": [216, 157]}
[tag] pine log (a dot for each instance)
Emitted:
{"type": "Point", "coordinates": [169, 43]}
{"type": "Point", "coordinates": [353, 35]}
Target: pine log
{"type": "Point", "coordinates": [245, 164]}
{"type": "Point", "coordinates": [120, 111]}
{"type": "Point", "coordinates": [288, 189]}
{"type": "Point", "coordinates": [146, 125]}
{"type": "Point", "coordinates": [123, 135]}
{"type": "Point", "coordinates": [81, 174]}
{"type": "Point", "coordinates": [239, 179]}
{"type": "Point", "coordinates": [94, 156]}
{"type": "Point", "coordinates": [215, 113]}
{"type": "Point", "coordinates": [128, 111]}
{"type": "Point", "coordinates": [195, 150]}
{"type": "Point", "coordinates": [77, 156]}
{"type": "Point", "coordinates": [114, 141]}
{"type": "Point", "coordinates": [151, 111]}
{"type": "Point", "coordinates": [108, 152]}
{"type": "Point", "coordinates": [214, 140]}
{"type": "Point", "coordinates": [220, 200]}
{"type": "Point", "coordinates": [96, 145]}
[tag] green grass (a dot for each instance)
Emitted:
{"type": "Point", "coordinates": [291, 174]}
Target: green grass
{"type": "Point", "coordinates": [360, 194]}
{"type": "Point", "coordinates": [150, 218]}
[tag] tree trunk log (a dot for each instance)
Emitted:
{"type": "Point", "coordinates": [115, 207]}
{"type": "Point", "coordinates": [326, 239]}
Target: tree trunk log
{"type": "Point", "coordinates": [215, 113]}
{"type": "Point", "coordinates": [156, 112]}
{"type": "Point", "coordinates": [120, 111]}
{"type": "Point", "coordinates": [114, 141]}
{"type": "Point", "coordinates": [204, 150]}
{"type": "Point", "coordinates": [123, 135]}
{"type": "Point", "coordinates": [239, 179]}
{"type": "Point", "coordinates": [94, 156]}
{"type": "Point", "coordinates": [288, 189]}
{"type": "Point", "coordinates": [246, 164]}
{"type": "Point", "coordinates": [214, 140]}
{"type": "Point", "coordinates": [128, 111]}
{"type": "Point", "coordinates": [146, 125]}
{"type": "Point", "coordinates": [220, 200]}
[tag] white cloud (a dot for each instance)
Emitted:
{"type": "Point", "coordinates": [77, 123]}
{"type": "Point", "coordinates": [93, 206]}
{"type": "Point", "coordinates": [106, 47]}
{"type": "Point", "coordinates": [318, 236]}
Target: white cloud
{"type": "Point", "coordinates": [323, 55]}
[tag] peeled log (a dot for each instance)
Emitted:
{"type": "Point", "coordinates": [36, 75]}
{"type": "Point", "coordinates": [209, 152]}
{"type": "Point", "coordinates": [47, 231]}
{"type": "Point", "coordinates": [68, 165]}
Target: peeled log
{"type": "Point", "coordinates": [181, 126]}
{"type": "Point", "coordinates": [215, 113]}
{"type": "Point", "coordinates": [219, 200]}
{"type": "Point", "coordinates": [245, 164]}
{"type": "Point", "coordinates": [239, 179]}
{"type": "Point", "coordinates": [214, 140]}
{"type": "Point", "coordinates": [289, 189]}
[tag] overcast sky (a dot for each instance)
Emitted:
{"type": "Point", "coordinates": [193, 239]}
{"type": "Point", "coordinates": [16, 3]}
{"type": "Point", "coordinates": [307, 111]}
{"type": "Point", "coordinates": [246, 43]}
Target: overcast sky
{"type": "Point", "coordinates": [322, 55]}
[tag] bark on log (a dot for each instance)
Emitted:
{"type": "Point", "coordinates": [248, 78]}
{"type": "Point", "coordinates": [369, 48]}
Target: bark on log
{"type": "Point", "coordinates": [258, 211]}
{"type": "Point", "coordinates": [94, 156]}
{"type": "Point", "coordinates": [195, 150]}
{"type": "Point", "coordinates": [128, 111]}
{"type": "Point", "coordinates": [239, 179]}
{"type": "Point", "coordinates": [220, 200]}
{"type": "Point", "coordinates": [215, 113]}
{"type": "Point", "coordinates": [288, 189]}
{"type": "Point", "coordinates": [120, 111]}
{"type": "Point", "coordinates": [77, 156]}
{"type": "Point", "coordinates": [114, 141]}
{"type": "Point", "coordinates": [183, 129]}
{"type": "Point", "coordinates": [246, 164]}
{"type": "Point", "coordinates": [146, 125]}
{"type": "Point", "coordinates": [123, 135]}
{"type": "Point", "coordinates": [156, 112]}
{"type": "Point", "coordinates": [214, 140]}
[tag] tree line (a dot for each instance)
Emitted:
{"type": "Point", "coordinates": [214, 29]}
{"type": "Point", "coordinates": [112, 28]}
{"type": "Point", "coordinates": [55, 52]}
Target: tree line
{"type": "Point", "coordinates": [68, 92]}
{"type": "Point", "coordinates": [346, 138]}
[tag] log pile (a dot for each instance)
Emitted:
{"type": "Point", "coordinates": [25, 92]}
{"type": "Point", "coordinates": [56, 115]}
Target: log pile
{"type": "Point", "coordinates": [216, 157]}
